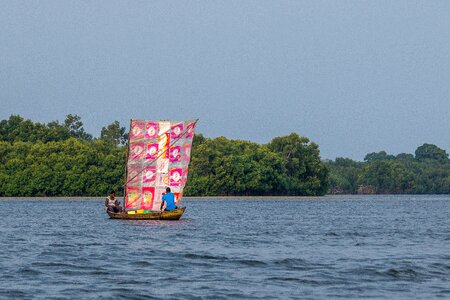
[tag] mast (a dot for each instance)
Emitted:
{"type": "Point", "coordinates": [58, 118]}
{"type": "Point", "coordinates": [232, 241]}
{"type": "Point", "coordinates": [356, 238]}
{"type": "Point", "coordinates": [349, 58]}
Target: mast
{"type": "Point", "coordinates": [127, 153]}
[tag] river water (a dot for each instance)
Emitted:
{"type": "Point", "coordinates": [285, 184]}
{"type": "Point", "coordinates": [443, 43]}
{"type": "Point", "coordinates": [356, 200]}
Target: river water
{"type": "Point", "coordinates": [318, 248]}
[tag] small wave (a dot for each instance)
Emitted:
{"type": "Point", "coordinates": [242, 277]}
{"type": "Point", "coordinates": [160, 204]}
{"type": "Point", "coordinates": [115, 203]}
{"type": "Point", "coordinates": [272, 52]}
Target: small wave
{"type": "Point", "coordinates": [142, 263]}
{"type": "Point", "coordinates": [347, 234]}
{"type": "Point", "coordinates": [129, 282]}
{"type": "Point", "coordinates": [444, 292]}
{"type": "Point", "coordinates": [294, 279]}
{"type": "Point", "coordinates": [76, 291]}
{"type": "Point", "coordinates": [331, 233]}
{"type": "Point", "coordinates": [204, 256]}
{"type": "Point", "coordinates": [293, 264]}
{"type": "Point", "coordinates": [29, 271]}
{"type": "Point", "coordinates": [54, 253]}
{"type": "Point", "coordinates": [71, 272]}
{"type": "Point", "coordinates": [100, 272]}
{"type": "Point", "coordinates": [251, 262]}
{"type": "Point", "coordinates": [12, 294]}
{"type": "Point", "coordinates": [59, 245]}
{"type": "Point", "coordinates": [402, 273]}
{"type": "Point", "coordinates": [63, 265]}
{"type": "Point", "coordinates": [125, 293]}
{"type": "Point", "coordinates": [441, 268]}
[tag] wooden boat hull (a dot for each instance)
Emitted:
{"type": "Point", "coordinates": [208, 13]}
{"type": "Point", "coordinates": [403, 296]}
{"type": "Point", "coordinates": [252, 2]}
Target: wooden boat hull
{"type": "Point", "coordinates": [160, 215]}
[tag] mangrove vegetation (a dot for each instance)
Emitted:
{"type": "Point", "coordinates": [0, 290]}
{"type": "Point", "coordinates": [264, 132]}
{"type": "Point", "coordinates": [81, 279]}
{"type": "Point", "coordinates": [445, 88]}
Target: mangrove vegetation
{"type": "Point", "coordinates": [62, 159]}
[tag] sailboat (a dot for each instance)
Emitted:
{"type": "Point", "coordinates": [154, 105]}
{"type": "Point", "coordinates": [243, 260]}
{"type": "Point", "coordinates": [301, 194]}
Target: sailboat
{"type": "Point", "coordinates": [158, 156]}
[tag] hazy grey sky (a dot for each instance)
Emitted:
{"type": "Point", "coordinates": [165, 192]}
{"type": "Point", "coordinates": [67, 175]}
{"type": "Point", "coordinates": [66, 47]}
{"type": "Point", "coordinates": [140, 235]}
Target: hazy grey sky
{"type": "Point", "coordinates": [353, 76]}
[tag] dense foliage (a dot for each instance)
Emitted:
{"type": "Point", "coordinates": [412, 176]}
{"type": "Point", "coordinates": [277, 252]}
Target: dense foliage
{"type": "Point", "coordinates": [426, 172]}
{"type": "Point", "coordinates": [288, 165]}
{"type": "Point", "coordinates": [57, 159]}
{"type": "Point", "coordinates": [63, 160]}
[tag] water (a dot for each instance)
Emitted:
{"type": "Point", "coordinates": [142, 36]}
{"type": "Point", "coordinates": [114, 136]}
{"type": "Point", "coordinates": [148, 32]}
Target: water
{"type": "Point", "coordinates": [347, 247]}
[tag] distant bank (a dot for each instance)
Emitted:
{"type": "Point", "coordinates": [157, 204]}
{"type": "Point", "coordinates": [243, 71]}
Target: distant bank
{"type": "Point", "coordinates": [61, 159]}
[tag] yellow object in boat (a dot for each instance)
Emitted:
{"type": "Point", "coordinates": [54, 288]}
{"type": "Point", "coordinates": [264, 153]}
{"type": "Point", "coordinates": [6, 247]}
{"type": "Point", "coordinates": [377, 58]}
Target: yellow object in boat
{"type": "Point", "coordinates": [140, 211]}
{"type": "Point", "coordinates": [131, 212]}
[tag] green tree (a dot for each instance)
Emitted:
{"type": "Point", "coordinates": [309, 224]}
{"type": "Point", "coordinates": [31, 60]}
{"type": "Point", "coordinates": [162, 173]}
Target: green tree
{"type": "Point", "coordinates": [344, 174]}
{"type": "Point", "coordinates": [74, 125]}
{"type": "Point", "coordinates": [382, 155]}
{"type": "Point", "coordinates": [431, 152]}
{"type": "Point", "coordinates": [114, 133]}
{"type": "Point", "coordinates": [387, 176]}
{"type": "Point", "coordinates": [17, 129]}
{"type": "Point", "coordinates": [307, 174]}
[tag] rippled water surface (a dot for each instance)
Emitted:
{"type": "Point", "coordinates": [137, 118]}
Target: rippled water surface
{"type": "Point", "coordinates": [348, 247]}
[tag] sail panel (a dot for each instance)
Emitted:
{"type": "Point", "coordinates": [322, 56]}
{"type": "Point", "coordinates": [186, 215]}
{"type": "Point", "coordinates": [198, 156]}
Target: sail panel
{"type": "Point", "coordinates": [159, 156]}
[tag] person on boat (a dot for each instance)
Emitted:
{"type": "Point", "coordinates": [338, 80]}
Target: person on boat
{"type": "Point", "coordinates": [112, 204]}
{"type": "Point", "coordinates": [169, 199]}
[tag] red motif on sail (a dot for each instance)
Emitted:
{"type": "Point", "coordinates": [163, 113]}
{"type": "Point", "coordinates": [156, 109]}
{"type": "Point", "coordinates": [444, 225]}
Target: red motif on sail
{"type": "Point", "coordinates": [151, 130]}
{"type": "Point", "coordinates": [177, 198]}
{"type": "Point", "coordinates": [175, 154]}
{"type": "Point", "coordinates": [133, 198]}
{"type": "Point", "coordinates": [152, 151]}
{"type": "Point", "coordinates": [175, 175]}
{"type": "Point", "coordinates": [148, 194]}
{"type": "Point", "coordinates": [176, 130]}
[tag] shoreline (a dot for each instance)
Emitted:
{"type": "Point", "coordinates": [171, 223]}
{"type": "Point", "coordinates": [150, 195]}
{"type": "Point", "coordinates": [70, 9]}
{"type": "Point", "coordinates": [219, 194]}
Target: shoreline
{"type": "Point", "coordinates": [330, 196]}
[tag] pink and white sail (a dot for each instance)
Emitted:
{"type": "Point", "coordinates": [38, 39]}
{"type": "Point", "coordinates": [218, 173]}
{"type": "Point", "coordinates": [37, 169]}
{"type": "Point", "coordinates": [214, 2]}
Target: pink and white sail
{"type": "Point", "coordinates": [159, 156]}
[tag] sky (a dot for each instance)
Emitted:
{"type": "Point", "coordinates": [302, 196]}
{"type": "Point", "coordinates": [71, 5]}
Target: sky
{"type": "Point", "coordinates": [352, 76]}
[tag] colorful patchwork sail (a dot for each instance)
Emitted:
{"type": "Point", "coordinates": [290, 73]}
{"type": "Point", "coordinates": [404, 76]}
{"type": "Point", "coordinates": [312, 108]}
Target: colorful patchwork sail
{"type": "Point", "coordinates": [158, 157]}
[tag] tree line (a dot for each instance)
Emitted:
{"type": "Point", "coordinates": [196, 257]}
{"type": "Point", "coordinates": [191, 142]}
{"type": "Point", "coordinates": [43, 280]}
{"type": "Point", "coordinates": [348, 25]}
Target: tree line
{"type": "Point", "coordinates": [62, 159]}
{"type": "Point", "coordinates": [427, 171]}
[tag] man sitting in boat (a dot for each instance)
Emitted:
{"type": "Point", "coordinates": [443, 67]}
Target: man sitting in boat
{"type": "Point", "coordinates": [112, 204]}
{"type": "Point", "coordinates": [169, 199]}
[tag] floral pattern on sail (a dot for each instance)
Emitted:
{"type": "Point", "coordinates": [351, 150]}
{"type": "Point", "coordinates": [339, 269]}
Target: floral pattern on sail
{"type": "Point", "coordinates": [151, 130]}
{"type": "Point", "coordinates": [174, 154]}
{"type": "Point", "coordinates": [152, 151]}
{"type": "Point", "coordinates": [137, 150]}
{"type": "Point", "coordinates": [158, 157]}
{"type": "Point", "coordinates": [137, 130]}
{"type": "Point", "coordinates": [175, 175]}
{"type": "Point", "coordinates": [176, 131]}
